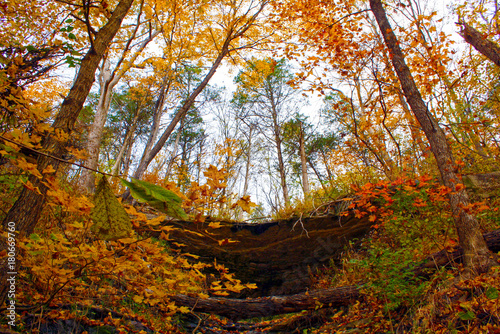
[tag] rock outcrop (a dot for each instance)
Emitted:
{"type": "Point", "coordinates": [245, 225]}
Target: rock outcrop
{"type": "Point", "coordinates": [278, 255]}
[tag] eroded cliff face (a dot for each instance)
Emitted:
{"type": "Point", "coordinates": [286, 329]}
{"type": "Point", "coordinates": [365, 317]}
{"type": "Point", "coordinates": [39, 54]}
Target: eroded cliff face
{"type": "Point", "coordinates": [279, 255]}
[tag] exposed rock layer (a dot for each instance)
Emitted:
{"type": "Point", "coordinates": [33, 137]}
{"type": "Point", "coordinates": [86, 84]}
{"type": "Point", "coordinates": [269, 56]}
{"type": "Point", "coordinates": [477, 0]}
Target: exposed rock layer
{"type": "Point", "coordinates": [278, 256]}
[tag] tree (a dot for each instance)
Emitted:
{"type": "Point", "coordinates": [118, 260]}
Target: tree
{"type": "Point", "coordinates": [263, 87]}
{"type": "Point", "coordinates": [238, 23]}
{"type": "Point", "coordinates": [477, 257]}
{"type": "Point", "coordinates": [109, 76]}
{"type": "Point", "coordinates": [338, 31]}
{"type": "Point", "coordinates": [28, 207]}
{"type": "Point", "coordinates": [295, 136]}
{"type": "Point", "coordinates": [128, 121]}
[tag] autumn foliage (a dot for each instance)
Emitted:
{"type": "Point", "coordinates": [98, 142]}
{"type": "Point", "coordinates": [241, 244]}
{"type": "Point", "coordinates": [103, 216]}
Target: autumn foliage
{"type": "Point", "coordinates": [111, 124]}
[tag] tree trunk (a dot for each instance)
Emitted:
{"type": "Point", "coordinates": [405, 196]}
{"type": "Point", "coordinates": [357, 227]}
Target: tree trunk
{"type": "Point", "coordinates": [248, 162]}
{"type": "Point", "coordinates": [247, 166]}
{"type": "Point", "coordinates": [107, 83]}
{"type": "Point", "coordinates": [279, 151]}
{"type": "Point", "coordinates": [108, 80]}
{"type": "Point", "coordinates": [174, 154]}
{"type": "Point", "coordinates": [477, 257]}
{"type": "Point", "coordinates": [127, 141]}
{"type": "Point", "coordinates": [27, 209]}
{"type": "Point", "coordinates": [303, 162]}
{"type": "Point", "coordinates": [487, 48]}
{"type": "Point", "coordinates": [238, 309]}
{"type": "Point", "coordinates": [318, 175]}
{"type": "Point", "coordinates": [149, 156]}
{"type": "Point", "coordinates": [281, 167]}
{"type": "Point", "coordinates": [158, 112]}
{"type": "Point", "coordinates": [128, 157]}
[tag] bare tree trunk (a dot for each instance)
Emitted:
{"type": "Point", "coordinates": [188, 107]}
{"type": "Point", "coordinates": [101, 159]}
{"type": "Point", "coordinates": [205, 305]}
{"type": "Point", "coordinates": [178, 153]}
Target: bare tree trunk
{"type": "Point", "coordinates": [477, 257]}
{"type": "Point", "coordinates": [303, 162]}
{"type": "Point", "coordinates": [174, 152]}
{"type": "Point", "coordinates": [127, 141]}
{"type": "Point", "coordinates": [279, 151]}
{"type": "Point", "coordinates": [149, 156]}
{"type": "Point", "coordinates": [128, 157]}
{"type": "Point", "coordinates": [158, 112]}
{"type": "Point", "coordinates": [238, 309]}
{"type": "Point", "coordinates": [27, 209]}
{"type": "Point", "coordinates": [107, 83]}
{"type": "Point", "coordinates": [108, 80]}
{"type": "Point", "coordinates": [247, 166]}
{"type": "Point", "coordinates": [318, 175]}
{"type": "Point", "coordinates": [487, 48]}
{"type": "Point", "coordinates": [249, 159]}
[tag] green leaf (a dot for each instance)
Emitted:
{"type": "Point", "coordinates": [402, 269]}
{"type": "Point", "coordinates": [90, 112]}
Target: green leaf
{"type": "Point", "coordinates": [158, 197]}
{"type": "Point", "coordinates": [35, 237]}
{"type": "Point", "coordinates": [468, 315]}
{"type": "Point", "coordinates": [71, 36]}
{"type": "Point", "coordinates": [111, 222]}
{"type": "Point", "coordinates": [491, 293]}
{"type": "Point", "coordinates": [69, 20]}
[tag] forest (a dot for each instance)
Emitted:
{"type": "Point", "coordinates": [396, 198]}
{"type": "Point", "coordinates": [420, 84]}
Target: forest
{"type": "Point", "coordinates": [249, 166]}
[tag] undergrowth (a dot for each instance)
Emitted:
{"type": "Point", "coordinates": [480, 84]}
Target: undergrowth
{"type": "Point", "coordinates": [412, 220]}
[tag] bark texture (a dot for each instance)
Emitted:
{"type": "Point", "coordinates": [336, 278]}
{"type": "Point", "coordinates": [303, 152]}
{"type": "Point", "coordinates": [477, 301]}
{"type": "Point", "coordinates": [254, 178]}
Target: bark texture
{"type": "Point", "coordinates": [477, 258]}
{"type": "Point", "coordinates": [238, 309]}
{"type": "Point", "coordinates": [486, 47]}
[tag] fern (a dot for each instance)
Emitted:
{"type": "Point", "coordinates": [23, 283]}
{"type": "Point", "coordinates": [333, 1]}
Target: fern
{"type": "Point", "coordinates": [111, 222]}
{"type": "Point", "coordinates": [158, 197]}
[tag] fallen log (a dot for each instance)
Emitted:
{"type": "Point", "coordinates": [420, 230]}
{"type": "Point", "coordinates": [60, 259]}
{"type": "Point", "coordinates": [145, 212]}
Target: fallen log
{"type": "Point", "coordinates": [450, 257]}
{"type": "Point", "coordinates": [238, 309]}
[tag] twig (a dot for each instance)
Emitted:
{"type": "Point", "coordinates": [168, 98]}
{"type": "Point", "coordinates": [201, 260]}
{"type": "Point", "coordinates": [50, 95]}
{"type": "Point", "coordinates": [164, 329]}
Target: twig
{"type": "Point", "coordinates": [199, 318]}
{"type": "Point", "coordinates": [301, 224]}
{"type": "Point", "coordinates": [56, 158]}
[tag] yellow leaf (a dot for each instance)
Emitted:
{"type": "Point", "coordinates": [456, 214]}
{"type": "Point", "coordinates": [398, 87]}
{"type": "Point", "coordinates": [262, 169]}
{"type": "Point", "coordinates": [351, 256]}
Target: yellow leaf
{"type": "Point", "coordinates": [138, 299]}
{"type": "Point", "coordinates": [168, 228]}
{"type": "Point", "coordinates": [31, 187]}
{"type": "Point", "coordinates": [127, 240]}
{"type": "Point", "coordinates": [164, 236]}
{"type": "Point", "coordinates": [226, 241]}
{"type": "Point", "coordinates": [245, 204]}
{"type": "Point", "coordinates": [156, 221]}
{"type": "Point", "coordinates": [203, 295]}
{"type": "Point", "coordinates": [192, 255]}
{"type": "Point", "coordinates": [221, 293]}
{"type": "Point", "coordinates": [49, 169]}
{"type": "Point", "coordinates": [215, 225]}
{"type": "Point", "coordinates": [251, 286]}
{"type": "Point", "coordinates": [184, 309]}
